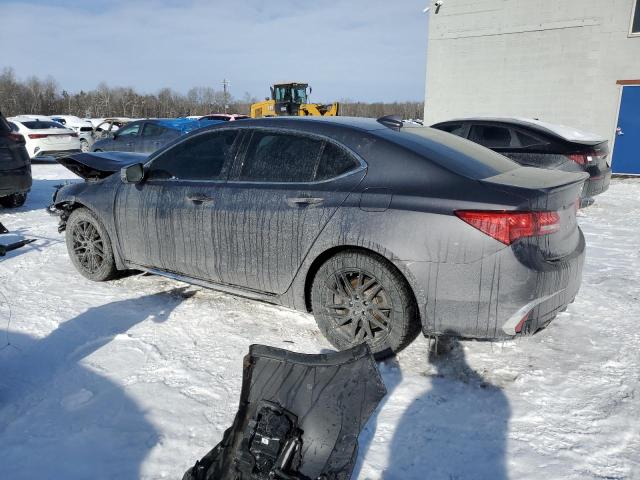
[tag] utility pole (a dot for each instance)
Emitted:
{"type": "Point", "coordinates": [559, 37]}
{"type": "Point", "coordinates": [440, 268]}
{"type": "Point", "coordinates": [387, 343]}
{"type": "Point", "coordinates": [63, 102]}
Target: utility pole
{"type": "Point", "coordinates": [225, 88]}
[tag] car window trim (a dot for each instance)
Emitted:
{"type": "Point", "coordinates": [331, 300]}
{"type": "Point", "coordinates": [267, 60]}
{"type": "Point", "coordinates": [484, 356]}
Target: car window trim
{"type": "Point", "coordinates": [226, 167]}
{"type": "Point", "coordinates": [239, 160]}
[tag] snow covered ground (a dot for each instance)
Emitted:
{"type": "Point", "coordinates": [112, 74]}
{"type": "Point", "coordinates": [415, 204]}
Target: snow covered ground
{"type": "Point", "coordinates": [139, 377]}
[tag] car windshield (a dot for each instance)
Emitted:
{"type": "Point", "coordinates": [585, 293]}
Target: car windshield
{"type": "Point", "coordinates": [457, 154]}
{"type": "Point", "coordinates": [41, 124]}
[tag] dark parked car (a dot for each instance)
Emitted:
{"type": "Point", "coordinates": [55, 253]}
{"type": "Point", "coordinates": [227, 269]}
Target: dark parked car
{"type": "Point", "coordinates": [539, 144]}
{"type": "Point", "coordinates": [379, 230]}
{"type": "Point", "coordinates": [146, 136]}
{"type": "Point", "coordinates": [15, 167]}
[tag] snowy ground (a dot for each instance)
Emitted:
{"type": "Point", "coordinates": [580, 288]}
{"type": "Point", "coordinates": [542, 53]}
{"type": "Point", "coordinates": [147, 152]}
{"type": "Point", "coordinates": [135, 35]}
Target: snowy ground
{"type": "Point", "coordinates": [137, 378]}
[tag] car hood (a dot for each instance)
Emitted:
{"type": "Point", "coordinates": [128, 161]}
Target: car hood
{"type": "Point", "coordinates": [98, 165]}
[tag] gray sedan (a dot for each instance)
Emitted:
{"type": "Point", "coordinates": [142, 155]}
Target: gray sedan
{"type": "Point", "coordinates": [380, 230]}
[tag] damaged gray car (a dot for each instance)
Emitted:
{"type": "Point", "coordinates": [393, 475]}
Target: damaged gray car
{"type": "Point", "coordinates": [378, 229]}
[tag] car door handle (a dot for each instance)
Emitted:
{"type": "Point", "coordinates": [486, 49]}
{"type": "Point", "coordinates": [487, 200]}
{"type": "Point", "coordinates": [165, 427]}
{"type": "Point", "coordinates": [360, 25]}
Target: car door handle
{"type": "Point", "coordinates": [199, 199]}
{"type": "Point", "coordinates": [302, 201]}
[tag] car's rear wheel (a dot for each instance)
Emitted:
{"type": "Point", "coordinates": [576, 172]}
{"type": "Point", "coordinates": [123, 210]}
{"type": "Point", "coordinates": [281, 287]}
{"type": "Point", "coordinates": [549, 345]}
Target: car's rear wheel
{"type": "Point", "coordinates": [89, 246]}
{"type": "Point", "coordinates": [13, 201]}
{"type": "Point", "coordinates": [84, 146]}
{"type": "Point", "coordinates": [359, 296]}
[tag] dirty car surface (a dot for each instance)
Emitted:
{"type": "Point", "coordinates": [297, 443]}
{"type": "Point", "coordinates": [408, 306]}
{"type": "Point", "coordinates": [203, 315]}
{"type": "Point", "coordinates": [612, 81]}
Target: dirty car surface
{"type": "Point", "coordinates": [378, 230]}
{"type": "Point", "coordinates": [15, 167]}
{"type": "Point", "coordinates": [299, 417]}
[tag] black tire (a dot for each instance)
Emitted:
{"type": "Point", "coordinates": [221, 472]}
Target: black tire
{"type": "Point", "coordinates": [359, 296]}
{"type": "Point", "coordinates": [13, 201]}
{"type": "Point", "coordinates": [89, 246]}
{"type": "Point", "coordinates": [84, 146]}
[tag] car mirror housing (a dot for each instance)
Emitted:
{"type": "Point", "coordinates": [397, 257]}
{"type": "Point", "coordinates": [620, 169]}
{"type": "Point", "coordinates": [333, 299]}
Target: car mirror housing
{"type": "Point", "coordinates": [132, 173]}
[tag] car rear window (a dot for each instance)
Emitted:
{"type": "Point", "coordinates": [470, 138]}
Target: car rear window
{"type": "Point", "coordinates": [454, 153]}
{"type": "Point", "coordinates": [41, 124]}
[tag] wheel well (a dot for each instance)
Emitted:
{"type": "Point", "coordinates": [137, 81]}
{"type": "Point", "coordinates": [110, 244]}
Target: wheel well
{"type": "Point", "coordinates": [327, 254]}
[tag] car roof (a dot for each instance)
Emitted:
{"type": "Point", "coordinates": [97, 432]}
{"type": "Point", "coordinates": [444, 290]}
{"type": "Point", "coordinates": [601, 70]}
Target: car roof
{"type": "Point", "coordinates": [360, 123]}
{"type": "Point", "coordinates": [566, 133]}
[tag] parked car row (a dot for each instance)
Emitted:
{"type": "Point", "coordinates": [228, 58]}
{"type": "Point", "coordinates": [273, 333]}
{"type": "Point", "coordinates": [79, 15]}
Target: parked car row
{"type": "Point", "coordinates": [379, 229]}
{"type": "Point", "coordinates": [147, 136]}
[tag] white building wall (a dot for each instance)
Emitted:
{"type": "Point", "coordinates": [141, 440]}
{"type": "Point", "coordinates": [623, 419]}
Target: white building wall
{"type": "Point", "coordinates": [556, 60]}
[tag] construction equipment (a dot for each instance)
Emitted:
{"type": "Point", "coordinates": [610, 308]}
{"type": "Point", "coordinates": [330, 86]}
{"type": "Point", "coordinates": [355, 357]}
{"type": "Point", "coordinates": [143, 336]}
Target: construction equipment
{"type": "Point", "coordinates": [290, 99]}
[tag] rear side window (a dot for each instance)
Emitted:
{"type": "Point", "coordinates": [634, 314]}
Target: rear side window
{"type": "Point", "coordinates": [635, 23]}
{"type": "Point", "coordinates": [202, 157]}
{"type": "Point", "coordinates": [41, 124]}
{"type": "Point", "coordinates": [490, 136]}
{"type": "Point", "coordinates": [152, 130]}
{"type": "Point", "coordinates": [334, 162]}
{"type": "Point", "coordinates": [454, 128]}
{"type": "Point", "coordinates": [278, 157]}
{"type": "Point", "coordinates": [527, 140]}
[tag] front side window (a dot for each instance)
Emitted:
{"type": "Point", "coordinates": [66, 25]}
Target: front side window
{"type": "Point", "coordinates": [202, 157]}
{"type": "Point", "coordinates": [491, 136]}
{"type": "Point", "coordinates": [279, 157]}
{"type": "Point", "coordinates": [130, 131]}
{"type": "Point", "coordinates": [635, 22]}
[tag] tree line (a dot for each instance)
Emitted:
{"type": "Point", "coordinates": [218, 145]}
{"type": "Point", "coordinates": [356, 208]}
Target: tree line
{"type": "Point", "coordinates": [37, 96]}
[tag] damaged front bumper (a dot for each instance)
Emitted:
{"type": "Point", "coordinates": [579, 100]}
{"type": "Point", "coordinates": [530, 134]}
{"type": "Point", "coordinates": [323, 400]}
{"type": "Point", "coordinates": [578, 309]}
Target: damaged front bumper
{"type": "Point", "coordinates": [299, 417]}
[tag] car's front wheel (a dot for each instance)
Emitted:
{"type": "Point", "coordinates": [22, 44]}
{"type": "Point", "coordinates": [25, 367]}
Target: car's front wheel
{"type": "Point", "coordinates": [13, 201]}
{"type": "Point", "coordinates": [359, 296]}
{"type": "Point", "coordinates": [84, 146]}
{"type": "Point", "coordinates": [89, 246]}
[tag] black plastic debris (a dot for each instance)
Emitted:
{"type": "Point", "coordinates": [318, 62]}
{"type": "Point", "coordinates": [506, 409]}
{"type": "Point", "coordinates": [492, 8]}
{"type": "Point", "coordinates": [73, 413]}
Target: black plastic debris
{"type": "Point", "coordinates": [299, 417]}
{"type": "Point", "coordinates": [11, 246]}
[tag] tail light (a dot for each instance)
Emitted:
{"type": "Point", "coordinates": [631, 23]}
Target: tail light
{"type": "Point", "coordinates": [16, 137]}
{"type": "Point", "coordinates": [35, 136]}
{"type": "Point", "coordinates": [73, 134]}
{"type": "Point", "coordinates": [589, 156]}
{"type": "Point", "coordinates": [580, 158]}
{"type": "Point", "coordinates": [507, 227]}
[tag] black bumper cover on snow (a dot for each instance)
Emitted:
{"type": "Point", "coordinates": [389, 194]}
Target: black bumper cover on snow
{"type": "Point", "coordinates": [299, 417]}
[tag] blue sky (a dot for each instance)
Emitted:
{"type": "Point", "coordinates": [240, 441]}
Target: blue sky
{"type": "Point", "coordinates": [370, 50]}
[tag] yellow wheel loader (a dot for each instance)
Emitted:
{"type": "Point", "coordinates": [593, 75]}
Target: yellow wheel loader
{"type": "Point", "coordinates": [289, 99]}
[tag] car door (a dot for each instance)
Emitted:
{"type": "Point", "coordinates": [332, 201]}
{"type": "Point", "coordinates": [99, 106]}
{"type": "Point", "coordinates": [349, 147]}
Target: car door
{"type": "Point", "coordinates": [125, 139]}
{"type": "Point", "coordinates": [283, 190]}
{"type": "Point", "coordinates": [168, 221]}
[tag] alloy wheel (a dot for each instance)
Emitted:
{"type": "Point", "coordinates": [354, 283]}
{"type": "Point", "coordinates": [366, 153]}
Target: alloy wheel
{"type": "Point", "coordinates": [88, 246]}
{"type": "Point", "coordinates": [359, 306]}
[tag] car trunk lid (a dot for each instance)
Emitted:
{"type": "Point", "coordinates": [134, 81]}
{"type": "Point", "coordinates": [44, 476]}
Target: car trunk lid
{"type": "Point", "coordinates": [546, 191]}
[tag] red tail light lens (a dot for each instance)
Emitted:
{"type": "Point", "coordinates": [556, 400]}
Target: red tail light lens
{"type": "Point", "coordinates": [73, 134]}
{"type": "Point", "coordinates": [507, 227]}
{"type": "Point", "coordinates": [35, 136]}
{"type": "Point", "coordinates": [16, 137]}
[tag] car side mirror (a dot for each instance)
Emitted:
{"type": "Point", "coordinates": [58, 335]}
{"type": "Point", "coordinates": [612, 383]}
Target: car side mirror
{"type": "Point", "coordinates": [132, 173]}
